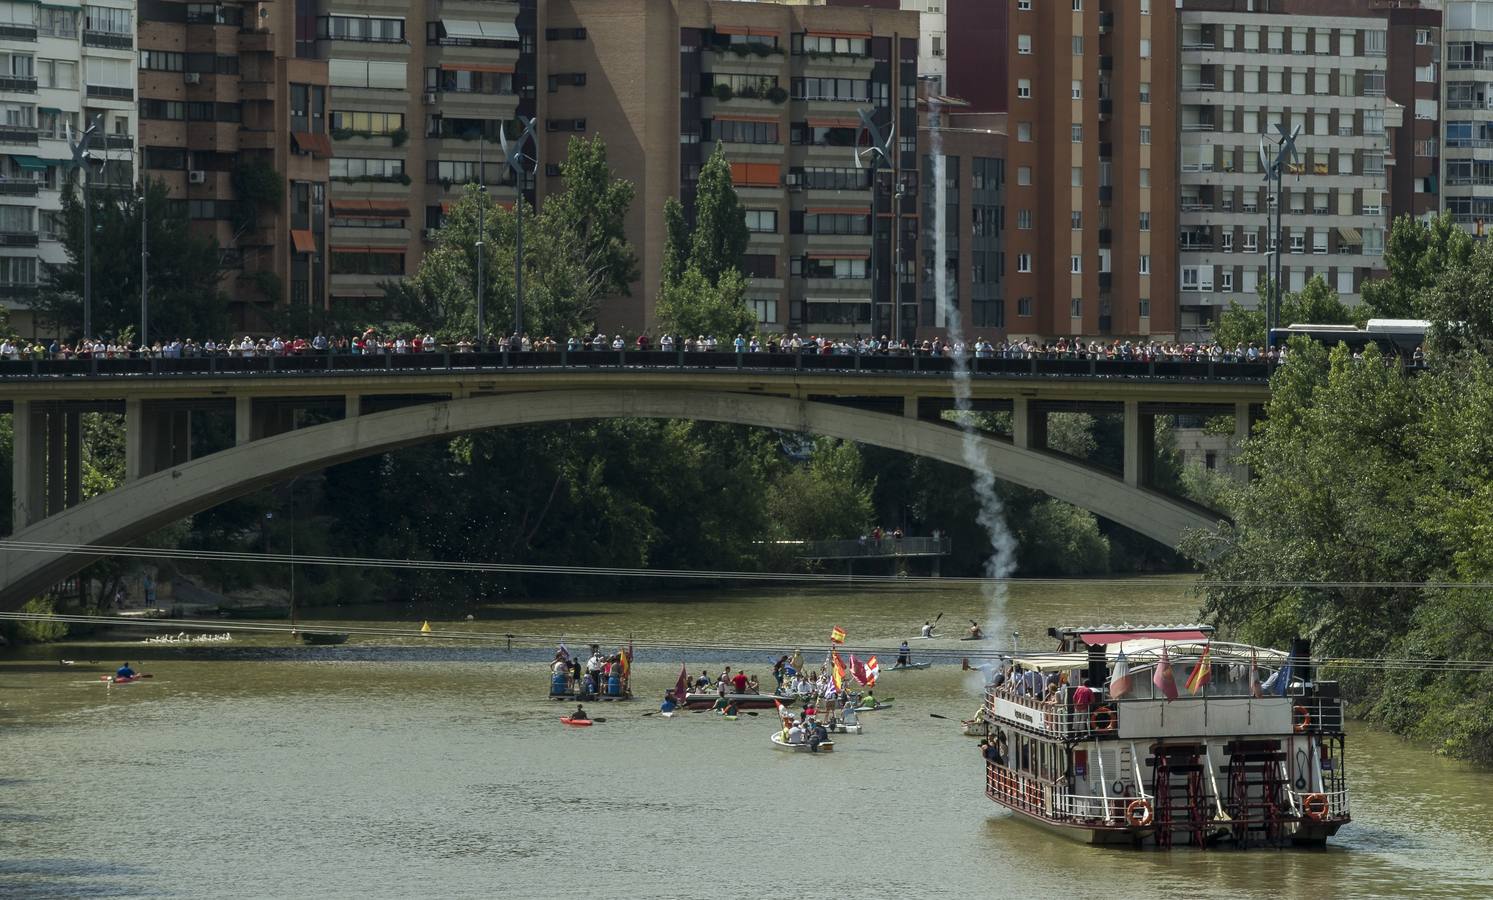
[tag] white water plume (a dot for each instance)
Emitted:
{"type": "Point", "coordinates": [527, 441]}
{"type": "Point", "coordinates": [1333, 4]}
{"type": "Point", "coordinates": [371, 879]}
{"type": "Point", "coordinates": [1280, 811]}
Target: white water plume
{"type": "Point", "coordinates": [1002, 561]}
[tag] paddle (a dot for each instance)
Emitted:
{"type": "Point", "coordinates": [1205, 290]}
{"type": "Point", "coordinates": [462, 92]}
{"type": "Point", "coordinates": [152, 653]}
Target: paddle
{"type": "Point", "coordinates": [936, 716]}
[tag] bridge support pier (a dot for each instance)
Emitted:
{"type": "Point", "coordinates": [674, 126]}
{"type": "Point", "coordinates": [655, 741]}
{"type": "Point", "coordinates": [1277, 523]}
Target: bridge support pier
{"type": "Point", "coordinates": [154, 438]}
{"type": "Point", "coordinates": [353, 406]}
{"type": "Point", "coordinates": [1140, 445]}
{"type": "Point", "coordinates": [46, 464]}
{"type": "Point", "coordinates": [1028, 425]}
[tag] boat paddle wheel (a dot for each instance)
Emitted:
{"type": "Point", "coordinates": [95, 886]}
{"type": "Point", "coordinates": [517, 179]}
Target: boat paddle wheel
{"type": "Point", "coordinates": [1256, 792]}
{"type": "Point", "coordinates": [1181, 800]}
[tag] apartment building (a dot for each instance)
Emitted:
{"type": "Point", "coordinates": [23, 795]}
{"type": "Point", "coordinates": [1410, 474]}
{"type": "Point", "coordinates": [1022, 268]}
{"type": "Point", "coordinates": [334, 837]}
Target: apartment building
{"type": "Point", "coordinates": [1091, 88]}
{"type": "Point", "coordinates": [1320, 66]}
{"type": "Point", "coordinates": [1467, 113]}
{"type": "Point", "coordinates": [60, 68]}
{"type": "Point", "coordinates": [228, 91]}
{"type": "Point", "coordinates": [1413, 79]}
{"type": "Point", "coordinates": [778, 86]}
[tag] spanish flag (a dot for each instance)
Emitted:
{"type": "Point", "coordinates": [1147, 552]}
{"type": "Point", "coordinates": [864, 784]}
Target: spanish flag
{"type": "Point", "coordinates": [626, 664]}
{"type": "Point", "coordinates": [837, 635]}
{"type": "Point", "coordinates": [839, 671]}
{"type": "Point", "coordinates": [1200, 672]}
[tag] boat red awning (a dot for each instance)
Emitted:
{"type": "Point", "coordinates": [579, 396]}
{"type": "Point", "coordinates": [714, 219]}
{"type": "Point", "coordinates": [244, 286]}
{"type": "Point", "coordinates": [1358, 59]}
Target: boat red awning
{"type": "Point", "coordinates": [1159, 634]}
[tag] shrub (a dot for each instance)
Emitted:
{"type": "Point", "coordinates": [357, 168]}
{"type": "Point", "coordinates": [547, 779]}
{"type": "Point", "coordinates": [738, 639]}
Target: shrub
{"type": "Point", "coordinates": [723, 92]}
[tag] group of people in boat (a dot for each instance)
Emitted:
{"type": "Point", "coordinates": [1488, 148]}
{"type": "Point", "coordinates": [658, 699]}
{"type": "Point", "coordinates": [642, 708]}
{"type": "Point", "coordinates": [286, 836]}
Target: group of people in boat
{"type": "Point", "coordinates": [590, 678]}
{"type": "Point", "coordinates": [805, 729]}
{"type": "Point", "coordinates": [727, 682]}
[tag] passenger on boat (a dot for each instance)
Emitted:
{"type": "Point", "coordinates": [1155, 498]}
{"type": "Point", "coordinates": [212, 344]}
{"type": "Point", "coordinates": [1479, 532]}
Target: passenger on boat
{"type": "Point", "coordinates": [927, 629]}
{"type": "Point", "coordinates": [594, 667]}
{"type": "Point", "coordinates": [731, 708]}
{"type": "Point", "coordinates": [723, 683]}
{"type": "Point", "coordinates": [703, 683]}
{"type": "Point", "coordinates": [796, 734]}
{"type": "Point", "coordinates": [124, 671]}
{"type": "Point", "coordinates": [752, 686]}
{"type": "Point", "coordinates": [739, 682]}
{"type": "Point", "coordinates": [580, 714]}
{"type": "Point", "coordinates": [849, 716]}
{"type": "Point", "coordinates": [904, 654]}
{"type": "Point", "coordinates": [779, 670]}
{"type": "Point", "coordinates": [817, 734]}
{"type": "Point", "coordinates": [1083, 697]}
{"type": "Point", "coordinates": [974, 630]}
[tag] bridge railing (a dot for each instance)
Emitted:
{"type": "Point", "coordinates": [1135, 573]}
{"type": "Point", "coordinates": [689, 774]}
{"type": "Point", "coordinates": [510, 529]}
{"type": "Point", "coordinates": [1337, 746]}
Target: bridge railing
{"type": "Point", "coordinates": [318, 363]}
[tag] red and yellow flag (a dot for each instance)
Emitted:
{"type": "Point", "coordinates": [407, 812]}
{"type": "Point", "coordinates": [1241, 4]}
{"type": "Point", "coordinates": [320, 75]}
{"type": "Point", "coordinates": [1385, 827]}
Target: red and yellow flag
{"type": "Point", "coordinates": [625, 662]}
{"type": "Point", "coordinates": [837, 635]}
{"type": "Point", "coordinates": [1200, 672]}
{"type": "Point", "coordinates": [838, 668]}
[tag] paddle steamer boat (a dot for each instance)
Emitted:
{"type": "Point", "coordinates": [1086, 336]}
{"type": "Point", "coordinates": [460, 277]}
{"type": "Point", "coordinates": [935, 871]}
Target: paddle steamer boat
{"type": "Point", "coordinates": [1254, 756]}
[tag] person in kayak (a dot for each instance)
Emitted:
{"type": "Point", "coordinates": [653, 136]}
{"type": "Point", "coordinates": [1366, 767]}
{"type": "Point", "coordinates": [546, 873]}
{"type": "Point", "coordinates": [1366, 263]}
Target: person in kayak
{"type": "Point", "coordinates": [721, 704]}
{"type": "Point", "coordinates": [927, 629]}
{"type": "Point", "coordinates": [668, 705]}
{"type": "Point", "coordinates": [731, 710]}
{"type": "Point", "coordinates": [124, 671]}
{"type": "Point", "coordinates": [869, 701]}
{"type": "Point", "coordinates": [974, 630]}
{"type": "Point", "coordinates": [580, 714]}
{"type": "Point", "coordinates": [904, 654]}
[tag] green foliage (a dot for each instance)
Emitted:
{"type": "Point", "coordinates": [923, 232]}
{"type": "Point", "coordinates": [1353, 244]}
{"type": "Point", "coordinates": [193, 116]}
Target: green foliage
{"type": "Point", "coordinates": [1460, 305]}
{"type": "Point", "coordinates": [703, 290]}
{"type": "Point", "coordinates": [1415, 255]}
{"type": "Point", "coordinates": [692, 305]}
{"type": "Point", "coordinates": [185, 268]}
{"type": "Point", "coordinates": [34, 632]}
{"type": "Point", "coordinates": [1239, 325]}
{"type": "Point", "coordinates": [1315, 304]}
{"type": "Point", "coordinates": [576, 255]}
{"type": "Point", "coordinates": [258, 184]}
{"type": "Point", "coordinates": [828, 498]}
{"type": "Point", "coordinates": [398, 136]}
{"type": "Point", "coordinates": [723, 92]}
{"type": "Point", "coordinates": [676, 242]}
{"type": "Point", "coordinates": [720, 238]}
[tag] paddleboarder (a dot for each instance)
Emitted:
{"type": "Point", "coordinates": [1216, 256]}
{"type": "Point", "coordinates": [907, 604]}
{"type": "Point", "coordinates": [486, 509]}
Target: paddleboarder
{"type": "Point", "coordinates": [904, 654]}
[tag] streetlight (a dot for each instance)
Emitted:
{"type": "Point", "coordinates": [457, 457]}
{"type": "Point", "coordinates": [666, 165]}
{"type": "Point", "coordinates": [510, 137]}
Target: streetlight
{"type": "Point", "coordinates": [522, 167]}
{"type": "Point", "coordinates": [879, 150]}
{"type": "Point", "coordinates": [144, 254]}
{"type": "Point", "coordinates": [81, 160]}
{"type": "Point", "coordinates": [1275, 168]}
{"type": "Point", "coordinates": [481, 228]}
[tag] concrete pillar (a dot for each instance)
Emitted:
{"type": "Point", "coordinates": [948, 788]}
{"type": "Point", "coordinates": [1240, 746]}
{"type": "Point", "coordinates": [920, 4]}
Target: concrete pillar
{"type": "Point", "coordinates": [139, 441]}
{"type": "Point", "coordinates": [353, 406]}
{"type": "Point", "coordinates": [179, 426]}
{"type": "Point", "coordinates": [1140, 445]}
{"type": "Point", "coordinates": [910, 407]}
{"type": "Point", "coordinates": [1021, 432]}
{"type": "Point", "coordinates": [243, 420]}
{"type": "Point", "coordinates": [72, 493]}
{"type": "Point", "coordinates": [28, 466]}
{"type": "Point", "coordinates": [56, 456]}
{"type": "Point", "coordinates": [1242, 425]}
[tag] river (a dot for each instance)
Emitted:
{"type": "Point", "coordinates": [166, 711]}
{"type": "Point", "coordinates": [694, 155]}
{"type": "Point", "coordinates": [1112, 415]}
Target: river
{"type": "Point", "coordinates": [405, 767]}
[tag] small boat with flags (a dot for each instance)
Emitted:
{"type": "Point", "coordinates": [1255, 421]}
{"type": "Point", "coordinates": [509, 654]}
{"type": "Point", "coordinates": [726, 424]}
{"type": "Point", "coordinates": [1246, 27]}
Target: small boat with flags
{"type": "Point", "coordinates": [1163, 737]}
{"type": "Point", "coordinates": [780, 742]}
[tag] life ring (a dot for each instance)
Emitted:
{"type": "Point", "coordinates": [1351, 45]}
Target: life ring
{"type": "Point", "coordinates": [1108, 722]}
{"type": "Point", "coordinates": [1315, 806]}
{"type": "Point", "coordinates": [1138, 813]}
{"type": "Point", "coordinates": [1305, 721]}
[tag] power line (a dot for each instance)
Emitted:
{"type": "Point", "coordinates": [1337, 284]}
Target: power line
{"type": "Point", "coordinates": [1171, 581]}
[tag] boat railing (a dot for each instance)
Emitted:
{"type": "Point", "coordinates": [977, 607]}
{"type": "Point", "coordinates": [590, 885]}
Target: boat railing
{"type": "Point", "coordinates": [1018, 790]}
{"type": "Point", "coordinates": [1060, 718]}
{"type": "Point", "coordinates": [1337, 803]}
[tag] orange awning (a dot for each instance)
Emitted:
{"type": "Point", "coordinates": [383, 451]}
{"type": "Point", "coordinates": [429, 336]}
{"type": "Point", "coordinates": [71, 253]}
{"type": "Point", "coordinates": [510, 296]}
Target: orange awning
{"type": "Point", "coordinates": [843, 34]}
{"type": "Point", "coordinates": [476, 67]}
{"type": "Point", "coordinates": [732, 29]}
{"type": "Point", "coordinates": [838, 211]}
{"type": "Point", "coordinates": [302, 240]}
{"type": "Point", "coordinates": [318, 145]}
{"type": "Point", "coordinates": [834, 123]}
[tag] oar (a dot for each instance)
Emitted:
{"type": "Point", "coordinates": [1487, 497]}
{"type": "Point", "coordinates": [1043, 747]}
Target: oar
{"type": "Point", "coordinates": [598, 720]}
{"type": "Point", "coordinates": [936, 716]}
{"type": "Point", "coordinates": [647, 714]}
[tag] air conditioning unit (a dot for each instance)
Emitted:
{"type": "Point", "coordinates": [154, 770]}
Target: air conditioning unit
{"type": "Point", "coordinates": [193, 77]}
{"type": "Point", "coordinates": [430, 99]}
{"type": "Point", "coordinates": [196, 176]}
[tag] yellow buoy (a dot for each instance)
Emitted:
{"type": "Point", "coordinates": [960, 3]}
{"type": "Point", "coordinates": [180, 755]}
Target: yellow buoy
{"type": "Point", "coordinates": [425, 628]}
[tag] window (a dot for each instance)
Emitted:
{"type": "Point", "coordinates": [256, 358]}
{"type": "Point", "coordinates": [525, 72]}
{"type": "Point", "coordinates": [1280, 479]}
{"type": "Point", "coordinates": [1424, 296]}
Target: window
{"type": "Point", "coordinates": [762, 221]}
{"type": "Point", "coordinates": [1024, 132]}
{"type": "Point", "coordinates": [161, 61]}
{"type": "Point", "coordinates": [1145, 178]}
{"type": "Point", "coordinates": [1075, 219]}
{"type": "Point", "coordinates": [1023, 262]}
{"type": "Point", "coordinates": [172, 110]}
{"type": "Point", "coordinates": [1075, 265]}
{"type": "Point", "coordinates": [1226, 241]}
{"type": "Point", "coordinates": [1145, 264]}
{"type": "Point", "coordinates": [1374, 43]}
{"type": "Point", "coordinates": [1024, 44]}
{"type": "Point", "coordinates": [1076, 133]}
{"type": "Point", "coordinates": [1145, 221]}
{"type": "Point", "coordinates": [1078, 5]}
{"type": "Point", "coordinates": [1024, 5]}
{"type": "Point", "coordinates": [1024, 306]}
{"type": "Point", "coordinates": [1024, 219]}
{"type": "Point", "coordinates": [850, 89]}
{"type": "Point", "coordinates": [1075, 176]}
{"type": "Point", "coordinates": [1078, 45]}
{"type": "Point", "coordinates": [108, 20]}
{"type": "Point", "coordinates": [360, 28]}
{"type": "Point", "coordinates": [742, 132]}
{"type": "Point", "coordinates": [361, 262]}
{"type": "Point", "coordinates": [1145, 308]}
{"type": "Point", "coordinates": [812, 267]}
{"type": "Point", "coordinates": [1076, 90]}
{"type": "Point", "coordinates": [1075, 306]}
{"type": "Point", "coordinates": [1024, 175]}
{"type": "Point", "coordinates": [361, 73]}
{"type": "Point", "coordinates": [1145, 135]}
{"type": "Point", "coordinates": [829, 44]}
{"type": "Point", "coordinates": [1145, 92]}
{"type": "Point", "coordinates": [1145, 48]}
{"type": "Point", "coordinates": [1373, 84]}
{"type": "Point", "coordinates": [345, 168]}
{"type": "Point", "coordinates": [565, 34]}
{"type": "Point", "coordinates": [1345, 281]}
{"type": "Point", "coordinates": [830, 179]}
{"type": "Point", "coordinates": [214, 14]}
{"type": "Point", "coordinates": [765, 310]}
{"type": "Point", "coordinates": [837, 223]}
{"type": "Point", "coordinates": [1023, 89]}
{"type": "Point", "coordinates": [1319, 241]}
{"type": "Point", "coordinates": [365, 123]}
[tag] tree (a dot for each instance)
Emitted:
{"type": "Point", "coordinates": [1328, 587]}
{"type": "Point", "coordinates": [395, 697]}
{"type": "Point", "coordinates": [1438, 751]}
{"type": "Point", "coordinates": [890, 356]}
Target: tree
{"type": "Point", "coordinates": [1315, 304]}
{"type": "Point", "coordinates": [720, 238]}
{"type": "Point", "coordinates": [1460, 304]}
{"type": "Point", "coordinates": [1240, 326]}
{"type": "Point", "coordinates": [692, 305]}
{"type": "Point", "coordinates": [185, 267]}
{"type": "Point", "coordinates": [1415, 255]}
{"type": "Point", "coordinates": [676, 242]}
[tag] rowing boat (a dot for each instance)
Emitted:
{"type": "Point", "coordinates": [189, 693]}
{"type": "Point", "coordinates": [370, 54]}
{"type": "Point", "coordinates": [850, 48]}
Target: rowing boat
{"type": "Point", "coordinates": [741, 701]}
{"type": "Point", "coordinates": [324, 638]}
{"type": "Point", "coordinates": [781, 743]}
{"type": "Point", "coordinates": [911, 666]}
{"type": "Point", "coordinates": [575, 723]}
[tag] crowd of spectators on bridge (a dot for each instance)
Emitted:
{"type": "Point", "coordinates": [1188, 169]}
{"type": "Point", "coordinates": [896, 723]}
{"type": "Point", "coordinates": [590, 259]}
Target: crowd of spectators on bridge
{"type": "Point", "coordinates": [373, 342]}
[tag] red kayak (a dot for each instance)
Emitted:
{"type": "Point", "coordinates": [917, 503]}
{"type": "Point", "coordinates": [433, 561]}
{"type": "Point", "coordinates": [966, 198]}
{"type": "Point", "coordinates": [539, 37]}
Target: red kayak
{"type": "Point", "coordinates": [578, 723]}
{"type": "Point", "coordinates": [115, 679]}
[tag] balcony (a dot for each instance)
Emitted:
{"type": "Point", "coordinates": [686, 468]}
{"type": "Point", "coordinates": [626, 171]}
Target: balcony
{"type": "Point", "coordinates": [1197, 126]}
{"type": "Point", "coordinates": [18, 134]}
{"type": "Point", "coordinates": [102, 92]}
{"type": "Point", "coordinates": [256, 41]}
{"type": "Point", "coordinates": [18, 239]}
{"type": "Point", "coordinates": [1200, 86]}
{"type": "Point", "coordinates": [115, 141]}
{"type": "Point", "coordinates": [18, 290]}
{"type": "Point", "coordinates": [13, 32]}
{"type": "Point", "coordinates": [19, 187]}
{"type": "Point", "coordinates": [23, 84]}
{"type": "Point", "coordinates": [108, 40]}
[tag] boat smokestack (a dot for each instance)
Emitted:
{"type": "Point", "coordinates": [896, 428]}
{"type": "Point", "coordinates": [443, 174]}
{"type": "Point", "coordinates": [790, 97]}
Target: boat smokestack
{"type": "Point", "coordinates": [1301, 659]}
{"type": "Point", "coordinates": [1098, 667]}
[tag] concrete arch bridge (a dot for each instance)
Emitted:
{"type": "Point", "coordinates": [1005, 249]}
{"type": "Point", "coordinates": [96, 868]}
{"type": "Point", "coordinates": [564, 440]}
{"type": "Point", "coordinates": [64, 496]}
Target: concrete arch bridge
{"type": "Point", "coordinates": [287, 425]}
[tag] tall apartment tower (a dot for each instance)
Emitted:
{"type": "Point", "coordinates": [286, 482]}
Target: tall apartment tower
{"type": "Point", "coordinates": [1467, 115]}
{"type": "Point", "coordinates": [1413, 79]}
{"type": "Point", "coordinates": [1318, 66]}
{"type": "Point", "coordinates": [60, 67]}
{"type": "Point", "coordinates": [1091, 87]}
{"type": "Point", "coordinates": [228, 90]}
{"type": "Point", "coordinates": [778, 86]}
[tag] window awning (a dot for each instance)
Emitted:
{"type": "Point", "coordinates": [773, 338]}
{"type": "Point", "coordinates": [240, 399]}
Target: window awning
{"type": "Point", "coordinates": [813, 255]}
{"type": "Point", "coordinates": [370, 209]}
{"type": "Point", "coordinates": [841, 34]}
{"type": "Point", "coordinates": [747, 30]}
{"type": "Point", "coordinates": [476, 67]}
{"type": "Point", "coordinates": [31, 162]}
{"type": "Point", "coordinates": [472, 29]}
{"type": "Point", "coordinates": [1114, 637]}
{"type": "Point", "coordinates": [318, 145]}
{"type": "Point", "coordinates": [302, 240]}
{"type": "Point", "coordinates": [1350, 235]}
{"type": "Point", "coordinates": [834, 123]}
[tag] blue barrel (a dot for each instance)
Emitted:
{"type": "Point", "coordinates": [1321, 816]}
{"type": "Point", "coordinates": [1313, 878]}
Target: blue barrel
{"type": "Point", "coordinates": [614, 685]}
{"type": "Point", "coordinates": [557, 685]}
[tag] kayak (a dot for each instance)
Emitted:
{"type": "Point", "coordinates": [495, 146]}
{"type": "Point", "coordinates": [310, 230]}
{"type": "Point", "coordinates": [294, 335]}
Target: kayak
{"type": "Point", "coordinates": [729, 718]}
{"type": "Point", "coordinates": [880, 705]}
{"type": "Point", "coordinates": [980, 638]}
{"type": "Point", "coordinates": [781, 743]}
{"type": "Point", "coordinates": [575, 723]}
{"type": "Point", "coordinates": [911, 666]}
{"type": "Point", "coordinates": [115, 679]}
{"type": "Point", "coordinates": [668, 715]}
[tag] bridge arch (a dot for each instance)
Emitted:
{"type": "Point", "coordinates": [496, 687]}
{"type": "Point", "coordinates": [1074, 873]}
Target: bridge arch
{"type": "Point", "coordinates": [144, 505]}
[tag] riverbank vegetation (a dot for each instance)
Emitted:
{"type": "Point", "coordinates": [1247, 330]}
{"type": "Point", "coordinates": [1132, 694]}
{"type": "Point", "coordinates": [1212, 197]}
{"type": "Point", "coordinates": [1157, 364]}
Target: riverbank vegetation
{"type": "Point", "coordinates": [1371, 482]}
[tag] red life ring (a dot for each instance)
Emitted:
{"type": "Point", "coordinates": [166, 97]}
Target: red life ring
{"type": "Point", "coordinates": [1109, 720]}
{"type": "Point", "coordinates": [1305, 720]}
{"type": "Point", "coordinates": [1138, 813]}
{"type": "Point", "coordinates": [1315, 806]}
